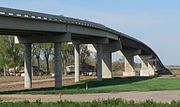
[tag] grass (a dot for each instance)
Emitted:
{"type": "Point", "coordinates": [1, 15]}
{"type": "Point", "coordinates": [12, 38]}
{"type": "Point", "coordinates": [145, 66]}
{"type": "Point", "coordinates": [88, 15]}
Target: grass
{"type": "Point", "coordinates": [174, 70]}
{"type": "Point", "coordinates": [117, 84]}
{"type": "Point", "coordinates": [103, 103]}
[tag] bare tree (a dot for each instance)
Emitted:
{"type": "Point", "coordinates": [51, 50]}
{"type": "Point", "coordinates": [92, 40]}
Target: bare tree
{"type": "Point", "coordinates": [47, 50]}
{"type": "Point", "coordinates": [84, 54]}
{"type": "Point", "coordinates": [67, 54]}
{"type": "Point", "coordinates": [36, 51]}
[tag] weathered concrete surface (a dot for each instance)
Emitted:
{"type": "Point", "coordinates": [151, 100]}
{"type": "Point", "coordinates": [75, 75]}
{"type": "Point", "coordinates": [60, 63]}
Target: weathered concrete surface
{"type": "Point", "coordinates": [158, 96]}
{"type": "Point", "coordinates": [90, 41]}
{"type": "Point", "coordinates": [58, 66]}
{"type": "Point", "coordinates": [27, 66]}
{"type": "Point", "coordinates": [76, 55]}
{"type": "Point", "coordinates": [99, 62]}
{"type": "Point", "coordinates": [44, 38]}
{"type": "Point", "coordinates": [129, 61]}
{"type": "Point", "coordinates": [105, 57]}
{"type": "Point", "coordinates": [147, 66]}
{"type": "Point", "coordinates": [129, 66]}
{"type": "Point", "coordinates": [106, 65]}
{"type": "Point", "coordinates": [109, 46]}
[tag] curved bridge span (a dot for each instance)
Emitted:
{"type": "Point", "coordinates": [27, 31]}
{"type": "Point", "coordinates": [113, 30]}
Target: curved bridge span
{"type": "Point", "coordinates": [32, 27]}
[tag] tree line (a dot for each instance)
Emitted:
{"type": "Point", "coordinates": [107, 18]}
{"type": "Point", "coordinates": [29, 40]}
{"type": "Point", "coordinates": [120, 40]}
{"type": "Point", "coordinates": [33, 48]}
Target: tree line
{"type": "Point", "coordinates": [12, 55]}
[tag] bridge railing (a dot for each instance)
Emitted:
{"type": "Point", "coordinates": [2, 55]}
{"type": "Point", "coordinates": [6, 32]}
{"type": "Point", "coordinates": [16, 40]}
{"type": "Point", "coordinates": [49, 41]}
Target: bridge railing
{"type": "Point", "coordinates": [47, 17]}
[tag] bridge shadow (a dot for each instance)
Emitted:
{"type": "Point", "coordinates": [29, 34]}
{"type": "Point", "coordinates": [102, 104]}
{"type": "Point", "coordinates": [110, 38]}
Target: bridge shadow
{"type": "Point", "coordinates": [93, 83]}
{"type": "Point", "coordinates": [107, 82]}
{"type": "Point", "coordinates": [165, 71]}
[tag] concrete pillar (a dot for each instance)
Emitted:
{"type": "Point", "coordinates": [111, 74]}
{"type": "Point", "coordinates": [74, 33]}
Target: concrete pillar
{"type": "Point", "coordinates": [27, 66]}
{"type": "Point", "coordinates": [104, 61]}
{"type": "Point", "coordinates": [76, 55]}
{"type": "Point", "coordinates": [99, 62]}
{"type": "Point", "coordinates": [129, 61]}
{"type": "Point", "coordinates": [107, 65]}
{"type": "Point", "coordinates": [129, 66]}
{"type": "Point", "coordinates": [157, 66]}
{"type": "Point", "coordinates": [147, 66]}
{"type": "Point", "coordinates": [151, 68]}
{"type": "Point", "coordinates": [58, 66]}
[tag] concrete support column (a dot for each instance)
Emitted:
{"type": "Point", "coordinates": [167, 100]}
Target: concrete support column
{"type": "Point", "coordinates": [129, 66]}
{"type": "Point", "coordinates": [99, 62]}
{"type": "Point", "coordinates": [107, 65]}
{"type": "Point", "coordinates": [77, 57]}
{"type": "Point", "coordinates": [129, 61]}
{"type": "Point", "coordinates": [151, 68]}
{"type": "Point", "coordinates": [58, 66]}
{"type": "Point", "coordinates": [27, 66]}
{"type": "Point", "coordinates": [146, 66]}
{"type": "Point", "coordinates": [157, 66]}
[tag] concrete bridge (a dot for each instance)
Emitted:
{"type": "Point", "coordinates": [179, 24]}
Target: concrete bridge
{"type": "Point", "coordinates": [32, 27]}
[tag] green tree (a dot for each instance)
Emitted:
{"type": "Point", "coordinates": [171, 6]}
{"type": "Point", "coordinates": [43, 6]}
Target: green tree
{"type": "Point", "coordinates": [11, 54]}
{"type": "Point", "coordinates": [15, 52]}
{"type": "Point", "coordinates": [4, 60]}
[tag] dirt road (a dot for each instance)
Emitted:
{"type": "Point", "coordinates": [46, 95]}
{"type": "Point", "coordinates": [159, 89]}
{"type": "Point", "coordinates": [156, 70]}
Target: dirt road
{"type": "Point", "coordinates": [158, 96]}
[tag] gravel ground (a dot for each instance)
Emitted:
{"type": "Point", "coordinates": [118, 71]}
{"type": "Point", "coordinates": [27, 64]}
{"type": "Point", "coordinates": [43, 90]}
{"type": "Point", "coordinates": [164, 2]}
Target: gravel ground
{"type": "Point", "coordinates": [158, 96]}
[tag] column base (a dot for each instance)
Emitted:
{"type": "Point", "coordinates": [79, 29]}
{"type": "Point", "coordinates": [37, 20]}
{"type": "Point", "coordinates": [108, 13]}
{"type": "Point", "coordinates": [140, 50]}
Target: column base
{"type": "Point", "coordinates": [129, 74]}
{"type": "Point", "coordinates": [99, 79]}
{"type": "Point", "coordinates": [107, 76]}
{"type": "Point", "coordinates": [152, 73]}
{"type": "Point", "coordinates": [147, 73]}
{"type": "Point", "coordinates": [106, 65]}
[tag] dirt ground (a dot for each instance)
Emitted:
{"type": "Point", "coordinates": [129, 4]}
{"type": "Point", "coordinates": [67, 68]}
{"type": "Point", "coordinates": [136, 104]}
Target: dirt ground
{"type": "Point", "coordinates": [8, 83]}
{"type": "Point", "coordinates": [7, 79]}
{"type": "Point", "coordinates": [17, 83]}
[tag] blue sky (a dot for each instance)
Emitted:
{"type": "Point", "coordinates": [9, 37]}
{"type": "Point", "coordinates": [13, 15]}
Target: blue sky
{"type": "Point", "coordinates": [155, 22]}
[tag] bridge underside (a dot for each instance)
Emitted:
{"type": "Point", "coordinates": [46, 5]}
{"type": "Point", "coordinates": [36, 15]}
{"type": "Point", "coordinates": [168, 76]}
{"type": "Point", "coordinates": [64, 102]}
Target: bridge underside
{"type": "Point", "coordinates": [32, 27]}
